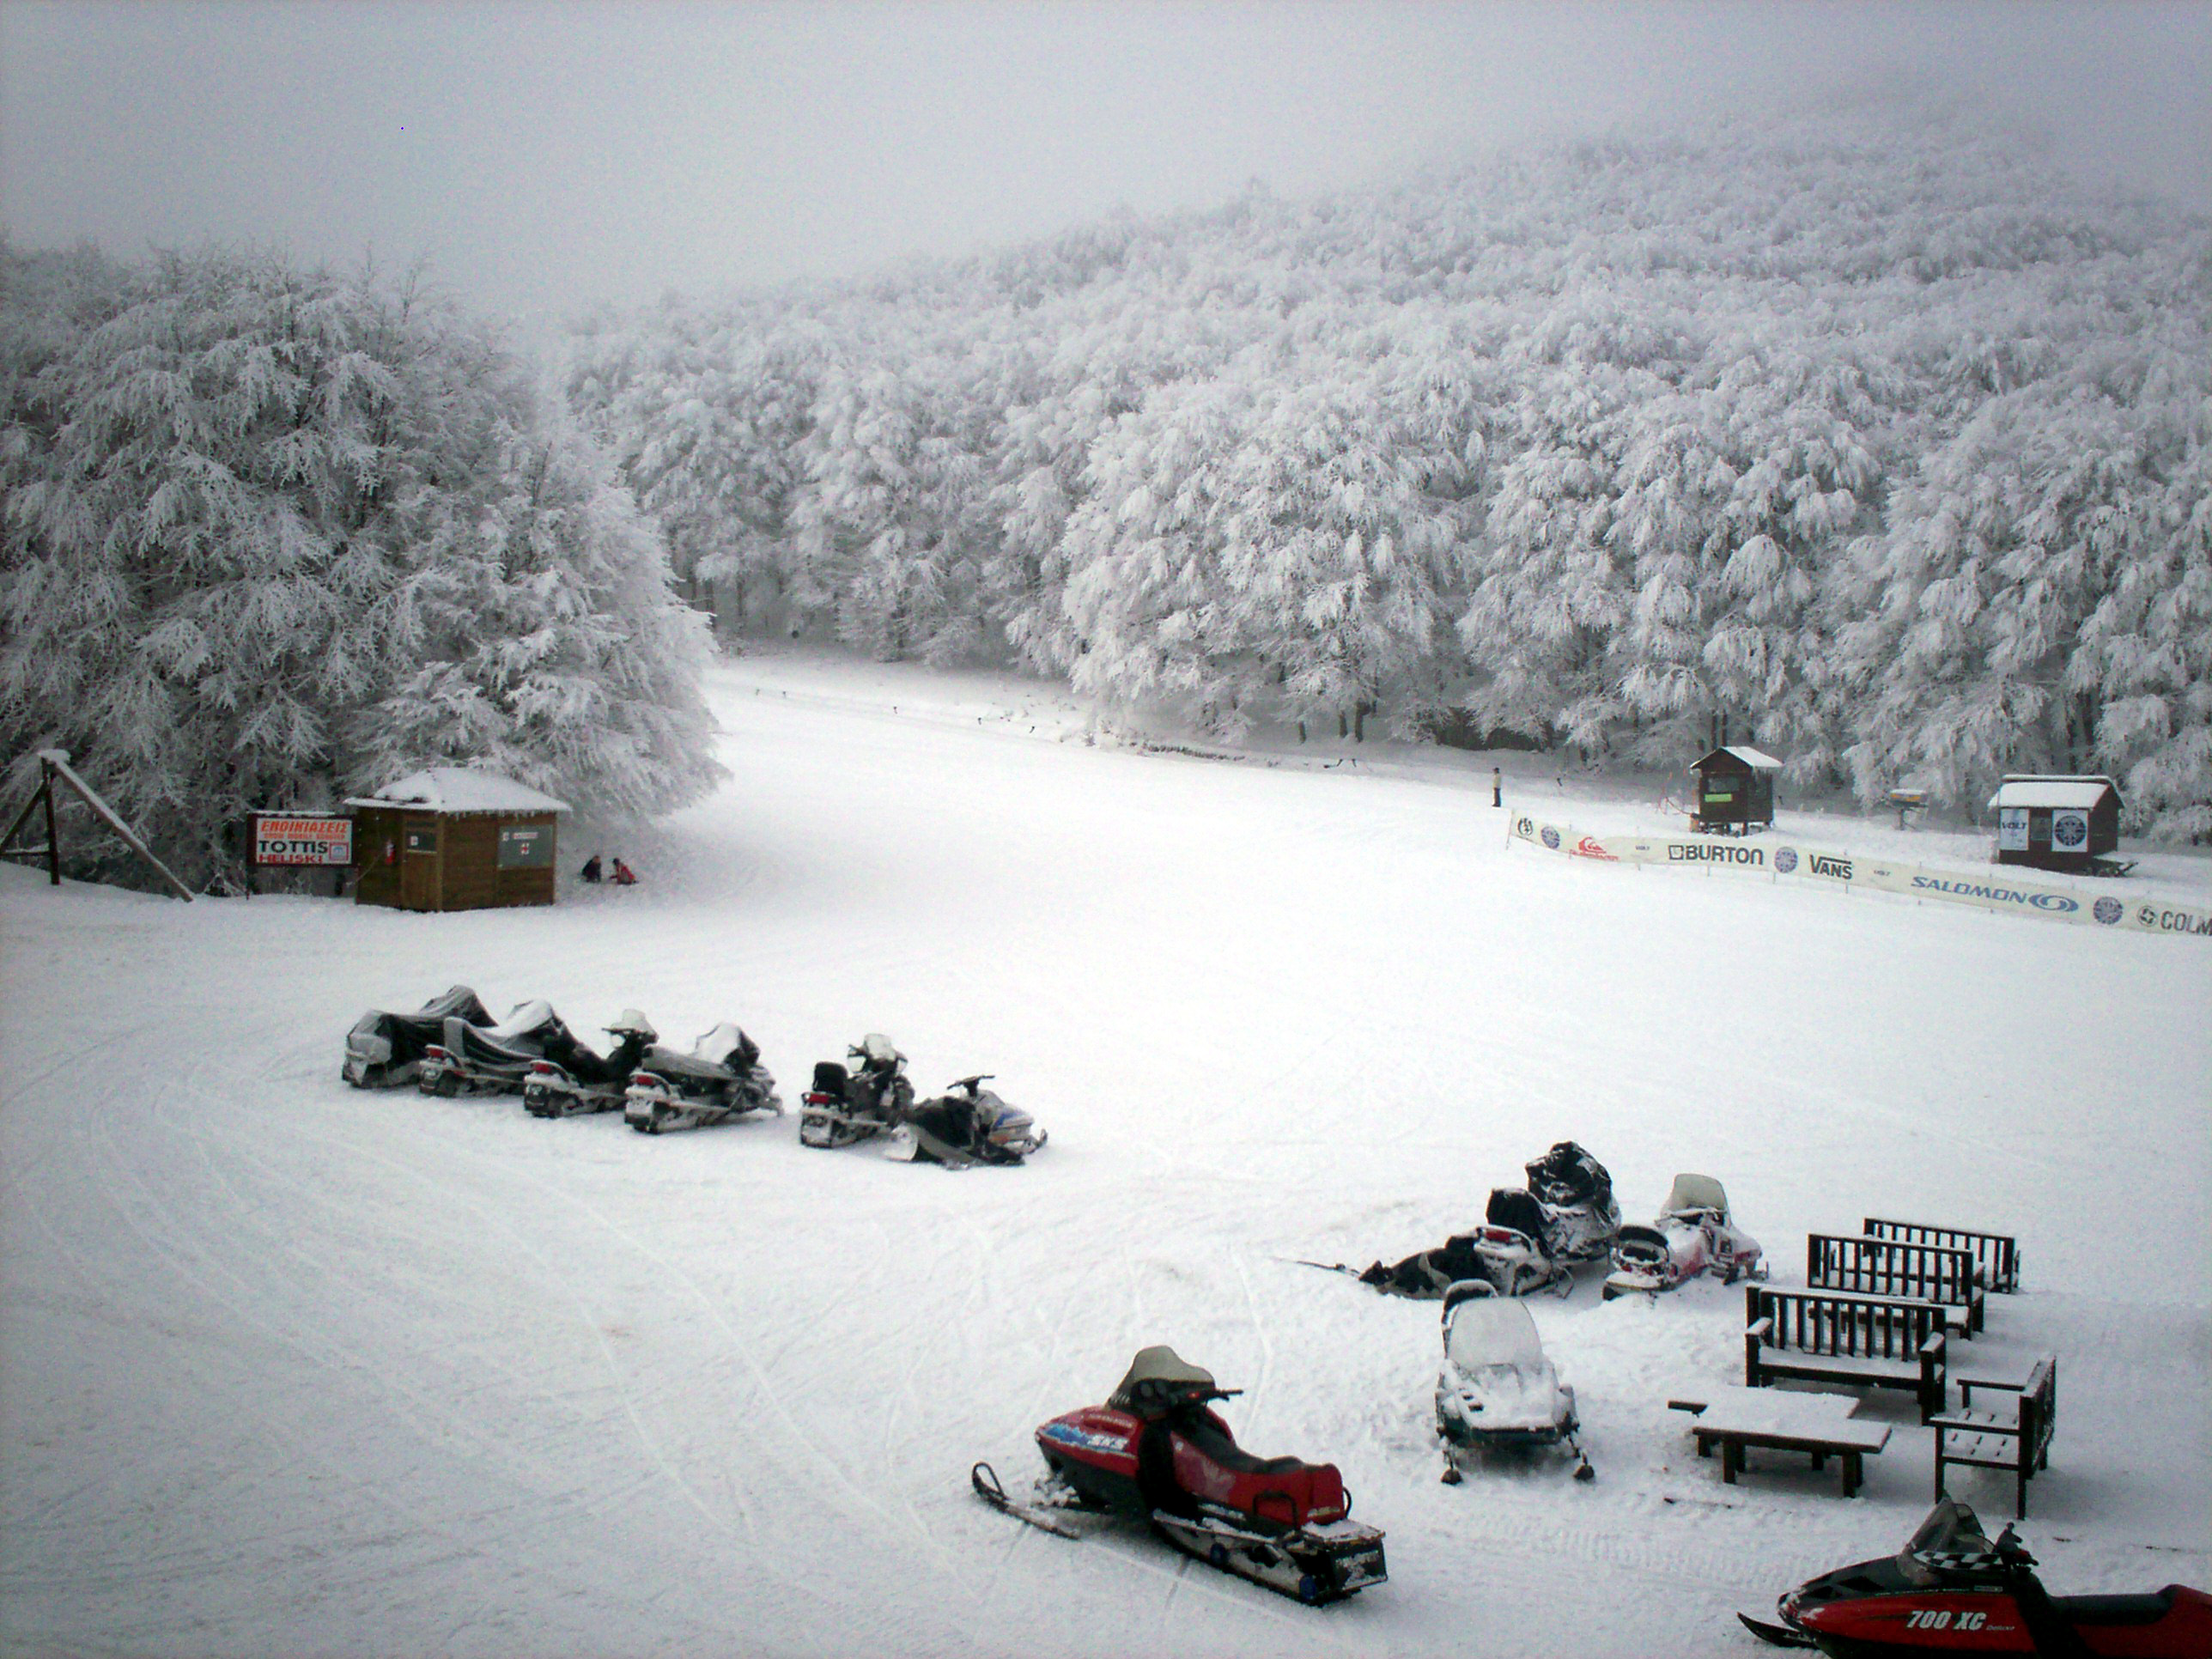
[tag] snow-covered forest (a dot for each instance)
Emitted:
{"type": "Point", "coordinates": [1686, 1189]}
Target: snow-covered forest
{"type": "Point", "coordinates": [274, 535]}
{"type": "Point", "coordinates": [1864, 430]}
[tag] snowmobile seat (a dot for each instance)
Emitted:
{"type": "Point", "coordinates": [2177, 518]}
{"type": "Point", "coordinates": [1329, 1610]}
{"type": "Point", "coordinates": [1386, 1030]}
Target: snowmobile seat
{"type": "Point", "coordinates": [1207, 1434]}
{"type": "Point", "coordinates": [2138, 1607]}
{"type": "Point", "coordinates": [830, 1079]}
{"type": "Point", "coordinates": [1283, 1492]}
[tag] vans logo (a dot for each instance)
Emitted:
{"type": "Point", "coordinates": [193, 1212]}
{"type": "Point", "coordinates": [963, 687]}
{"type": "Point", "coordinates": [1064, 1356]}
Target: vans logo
{"type": "Point", "coordinates": [1823, 864]}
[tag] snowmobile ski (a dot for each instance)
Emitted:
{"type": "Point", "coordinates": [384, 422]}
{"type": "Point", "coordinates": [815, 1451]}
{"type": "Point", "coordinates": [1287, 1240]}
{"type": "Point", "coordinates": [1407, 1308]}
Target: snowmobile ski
{"type": "Point", "coordinates": [1780, 1636]}
{"type": "Point", "coordinates": [985, 1479]}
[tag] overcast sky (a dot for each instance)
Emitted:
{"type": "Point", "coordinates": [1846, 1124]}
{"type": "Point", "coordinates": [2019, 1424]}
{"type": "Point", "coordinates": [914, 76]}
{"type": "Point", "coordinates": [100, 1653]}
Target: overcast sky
{"type": "Point", "coordinates": [548, 157]}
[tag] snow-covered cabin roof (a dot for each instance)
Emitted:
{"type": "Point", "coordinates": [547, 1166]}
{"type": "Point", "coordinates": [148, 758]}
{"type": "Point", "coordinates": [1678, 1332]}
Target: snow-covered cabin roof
{"type": "Point", "coordinates": [1750, 757]}
{"type": "Point", "coordinates": [459, 789]}
{"type": "Point", "coordinates": [2051, 790]}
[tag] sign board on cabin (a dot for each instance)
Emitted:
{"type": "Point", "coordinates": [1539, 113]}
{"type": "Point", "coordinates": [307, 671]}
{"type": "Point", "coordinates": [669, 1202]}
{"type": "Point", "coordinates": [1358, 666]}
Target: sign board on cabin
{"type": "Point", "coordinates": [318, 840]}
{"type": "Point", "coordinates": [526, 847]}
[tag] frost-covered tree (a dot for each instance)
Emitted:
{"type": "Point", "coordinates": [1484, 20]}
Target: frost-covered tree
{"type": "Point", "coordinates": [251, 511]}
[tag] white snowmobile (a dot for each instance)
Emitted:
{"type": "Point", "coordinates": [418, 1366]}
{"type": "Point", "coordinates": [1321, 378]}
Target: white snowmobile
{"type": "Point", "coordinates": [385, 1050]}
{"type": "Point", "coordinates": [967, 1124]}
{"type": "Point", "coordinates": [1497, 1388]}
{"type": "Point", "coordinates": [1693, 1235]}
{"type": "Point", "coordinates": [721, 1078]}
{"type": "Point", "coordinates": [854, 1103]}
{"type": "Point", "coordinates": [583, 1081]}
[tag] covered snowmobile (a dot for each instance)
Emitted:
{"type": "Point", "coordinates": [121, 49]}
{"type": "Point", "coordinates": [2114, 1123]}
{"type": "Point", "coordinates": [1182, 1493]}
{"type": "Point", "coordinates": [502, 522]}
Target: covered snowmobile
{"type": "Point", "coordinates": [1951, 1590]}
{"type": "Point", "coordinates": [854, 1102]}
{"type": "Point", "coordinates": [586, 1081]}
{"type": "Point", "coordinates": [496, 1060]}
{"type": "Point", "coordinates": [385, 1050]}
{"type": "Point", "coordinates": [967, 1124]}
{"type": "Point", "coordinates": [1693, 1235]}
{"type": "Point", "coordinates": [1530, 1238]}
{"type": "Point", "coordinates": [1157, 1452]}
{"type": "Point", "coordinates": [1497, 1388]}
{"type": "Point", "coordinates": [721, 1077]}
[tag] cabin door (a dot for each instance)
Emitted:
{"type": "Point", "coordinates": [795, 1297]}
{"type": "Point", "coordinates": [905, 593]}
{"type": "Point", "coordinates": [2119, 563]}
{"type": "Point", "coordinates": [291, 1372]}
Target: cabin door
{"type": "Point", "coordinates": [418, 864]}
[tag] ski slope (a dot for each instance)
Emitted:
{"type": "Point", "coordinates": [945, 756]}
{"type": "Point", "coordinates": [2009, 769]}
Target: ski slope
{"type": "Point", "coordinates": [287, 1368]}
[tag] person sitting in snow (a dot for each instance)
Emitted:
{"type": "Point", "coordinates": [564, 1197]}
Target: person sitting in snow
{"type": "Point", "coordinates": [624, 876]}
{"type": "Point", "coordinates": [590, 869]}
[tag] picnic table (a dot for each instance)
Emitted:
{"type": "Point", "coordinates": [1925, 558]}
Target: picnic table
{"type": "Point", "coordinates": [1781, 1419]}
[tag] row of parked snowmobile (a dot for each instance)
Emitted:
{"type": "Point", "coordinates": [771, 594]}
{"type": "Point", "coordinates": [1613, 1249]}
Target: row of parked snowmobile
{"type": "Point", "coordinates": [451, 1046]}
{"type": "Point", "coordinates": [1532, 1239]}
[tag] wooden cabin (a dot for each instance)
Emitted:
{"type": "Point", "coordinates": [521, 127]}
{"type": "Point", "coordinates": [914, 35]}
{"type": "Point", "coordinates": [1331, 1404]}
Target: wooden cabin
{"type": "Point", "coordinates": [1732, 790]}
{"type": "Point", "coordinates": [454, 839]}
{"type": "Point", "coordinates": [2055, 822]}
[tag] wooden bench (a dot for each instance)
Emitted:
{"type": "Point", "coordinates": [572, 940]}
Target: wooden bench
{"type": "Point", "coordinates": [1859, 1342]}
{"type": "Point", "coordinates": [1998, 1254]}
{"type": "Point", "coordinates": [2018, 1439]}
{"type": "Point", "coordinates": [1894, 1267]}
{"type": "Point", "coordinates": [1783, 1420]}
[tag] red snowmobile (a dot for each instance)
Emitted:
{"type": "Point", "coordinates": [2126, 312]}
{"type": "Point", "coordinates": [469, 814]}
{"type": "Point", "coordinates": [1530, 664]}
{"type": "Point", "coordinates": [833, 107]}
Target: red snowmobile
{"type": "Point", "coordinates": [1155, 1451]}
{"type": "Point", "coordinates": [1951, 1590]}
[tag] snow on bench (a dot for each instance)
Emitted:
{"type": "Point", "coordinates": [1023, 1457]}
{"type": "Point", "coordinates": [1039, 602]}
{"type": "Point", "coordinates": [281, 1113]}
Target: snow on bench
{"type": "Point", "coordinates": [1898, 1268]}
{"type": "Point", "coordinates": [2015, 1436]}
{"type": "Point", "coordinates": [1998, 1254]}
{"type": "Point", "coordinates": [1836, 1336]}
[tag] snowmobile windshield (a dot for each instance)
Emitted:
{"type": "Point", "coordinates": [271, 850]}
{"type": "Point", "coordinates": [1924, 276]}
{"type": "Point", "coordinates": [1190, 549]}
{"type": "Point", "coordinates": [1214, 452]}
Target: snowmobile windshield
{"type": "Point", "coordinates": [1568, 1174]}
{"type": "Point", "coordinates": [1511, 1207]}
{"type": "Point", "coordinates": [1158, 1376]}
{"type": "Point", "coordinates": [1492, 1331]}
{"type": "Point", "coordinates": [1949, 1538]}
{"type": "Point", "coordinates": [876, 1048]}
{"type": "Point", "coordinates": [1696, 1191]}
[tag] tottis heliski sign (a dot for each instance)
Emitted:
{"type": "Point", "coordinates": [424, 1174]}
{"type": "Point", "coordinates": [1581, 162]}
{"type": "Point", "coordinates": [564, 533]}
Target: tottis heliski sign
{"type": "Point", "coordinates": [317, 839]}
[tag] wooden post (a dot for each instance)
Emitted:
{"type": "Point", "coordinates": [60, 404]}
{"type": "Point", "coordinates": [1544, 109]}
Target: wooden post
{"type": "Point", "coordinates": [53, 836]}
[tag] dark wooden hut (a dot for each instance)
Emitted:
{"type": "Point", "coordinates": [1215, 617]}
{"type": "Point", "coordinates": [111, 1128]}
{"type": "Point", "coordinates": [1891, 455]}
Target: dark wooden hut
{"type": "Point", "coordinates": [1732, 789]}
{"type": "Point", "coordinates": [2055, 822]}
{"type": "Point", "coordinates": [453, 839]}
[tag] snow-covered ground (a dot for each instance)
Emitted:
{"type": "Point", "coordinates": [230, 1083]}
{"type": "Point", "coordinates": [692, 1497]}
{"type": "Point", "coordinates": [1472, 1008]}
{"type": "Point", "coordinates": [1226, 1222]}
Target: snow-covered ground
{"type": "Point", "coordinates": [286, 1368]}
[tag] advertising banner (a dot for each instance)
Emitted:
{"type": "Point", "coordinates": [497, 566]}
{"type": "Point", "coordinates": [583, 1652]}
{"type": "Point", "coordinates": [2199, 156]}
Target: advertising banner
{"type": "Point", "coordinates": [1788, 862]}
{"type": "Point", "coordinates": [317, 840]}
{"type": "Point", "coordinates": [2012, 828]}
{"type": "Point", "coordinates": [2069, 830]}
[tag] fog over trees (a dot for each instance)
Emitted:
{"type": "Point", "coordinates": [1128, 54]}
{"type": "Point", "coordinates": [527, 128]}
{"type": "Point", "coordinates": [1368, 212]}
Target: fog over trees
{"type": "Point", "coordinates": [1859, 428]}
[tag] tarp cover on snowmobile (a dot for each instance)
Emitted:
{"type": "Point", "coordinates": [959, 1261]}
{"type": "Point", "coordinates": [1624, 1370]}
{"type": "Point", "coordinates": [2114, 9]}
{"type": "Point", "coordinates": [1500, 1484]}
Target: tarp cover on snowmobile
{"type": "Point", "coordinates": [1510, 1206]}
{"type": "Point", "coordinates": [1695, 1192]}
{"type": "Point", "coordinates": [1492, 1331]}
{"type": "Point", "coordinates": [1567, 1175]}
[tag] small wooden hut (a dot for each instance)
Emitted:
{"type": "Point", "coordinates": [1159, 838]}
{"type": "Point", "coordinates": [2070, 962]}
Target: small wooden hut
{"type": "Point", "coordinates": [2055, 822]}
{"type": "Point", "coordinates": [1732, 789]}
{"type": "Point", "coordinates": [453, 839]}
